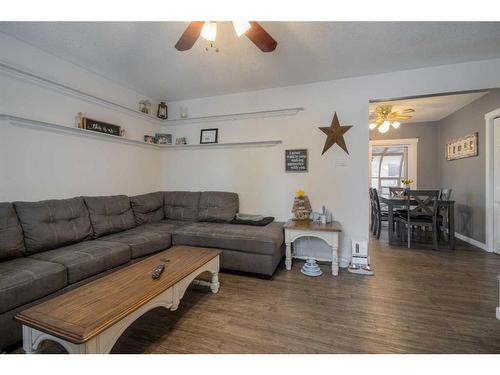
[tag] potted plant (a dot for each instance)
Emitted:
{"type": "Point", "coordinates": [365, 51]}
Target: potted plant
{"type": "Point", "coordinates": [407, 182]}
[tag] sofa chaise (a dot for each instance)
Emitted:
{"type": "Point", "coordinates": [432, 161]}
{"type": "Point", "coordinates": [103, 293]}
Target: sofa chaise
{"type": "Point", "coordinates": [52, 246]}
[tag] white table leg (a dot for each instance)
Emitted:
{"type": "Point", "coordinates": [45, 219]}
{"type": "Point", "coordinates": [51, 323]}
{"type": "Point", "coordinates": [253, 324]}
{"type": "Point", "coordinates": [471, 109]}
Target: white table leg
{"type": "Point", "coordinates": [335, 261]}
{"type": "Point", "coordinates": [214, 284]}
{"type": "Point", "coordinates": [288, 260]}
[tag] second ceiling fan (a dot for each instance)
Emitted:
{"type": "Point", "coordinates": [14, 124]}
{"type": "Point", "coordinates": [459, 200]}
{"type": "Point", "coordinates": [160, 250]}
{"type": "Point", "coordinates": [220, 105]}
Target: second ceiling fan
{"type": "Point", "coordinates": [208, 30]}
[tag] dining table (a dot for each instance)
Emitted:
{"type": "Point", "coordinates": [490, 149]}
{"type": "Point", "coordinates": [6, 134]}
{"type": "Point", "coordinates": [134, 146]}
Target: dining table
{"type": "Point", "coordinates": [396, 202]}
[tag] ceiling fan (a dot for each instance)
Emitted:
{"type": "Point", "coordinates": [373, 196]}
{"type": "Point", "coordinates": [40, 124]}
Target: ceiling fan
{"type": "Point", "coordinates": [384, 117]}
{"type": "Point", "coordinates": [208, 30]}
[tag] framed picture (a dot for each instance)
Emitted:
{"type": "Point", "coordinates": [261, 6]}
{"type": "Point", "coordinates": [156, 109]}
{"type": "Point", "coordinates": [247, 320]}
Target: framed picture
{"type": "Point", "coordinates": [163, 139]}
{"type": "Point", "coordinates": [100, 126]}
{"type": "Point", "coordinates": [464, 147]}
{"type": "Point", "coordinates": [149, 139]}
{"type": "Point", "coordinates": [296, 160]}
{"type": "Point", "coordinates": [208, 136]}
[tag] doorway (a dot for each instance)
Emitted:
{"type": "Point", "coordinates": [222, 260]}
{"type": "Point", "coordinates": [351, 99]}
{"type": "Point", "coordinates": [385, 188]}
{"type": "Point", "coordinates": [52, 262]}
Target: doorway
{"type": "Point", "coordinates": [493, 181]}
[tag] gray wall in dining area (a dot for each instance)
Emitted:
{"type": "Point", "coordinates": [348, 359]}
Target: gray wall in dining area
{"type": "Point", "coordinates": [467, 176]}
{"type": "Point", "coordinates": [427, 133]}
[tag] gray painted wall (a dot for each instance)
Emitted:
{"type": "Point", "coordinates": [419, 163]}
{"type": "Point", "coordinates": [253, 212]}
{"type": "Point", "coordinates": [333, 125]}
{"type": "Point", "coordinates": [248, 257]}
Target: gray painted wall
{"type": "Point", "coordinates": [427, 133]}
{"type": "Point", "coordinates": [467, 176]}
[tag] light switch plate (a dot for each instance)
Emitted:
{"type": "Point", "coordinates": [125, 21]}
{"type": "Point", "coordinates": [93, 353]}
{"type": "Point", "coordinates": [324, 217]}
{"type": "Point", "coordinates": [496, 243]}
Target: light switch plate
{"type": "Point", "coordinates": [341, 162]}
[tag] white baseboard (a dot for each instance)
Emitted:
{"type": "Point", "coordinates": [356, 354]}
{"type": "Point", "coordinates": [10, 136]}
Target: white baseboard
{"type": "Point", "coordinates": [498, 313]}
{"type": "Point", "coordinates": [471, 241]}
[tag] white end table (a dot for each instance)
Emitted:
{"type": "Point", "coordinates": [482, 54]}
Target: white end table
{"type": "Point", "coordinates": [329, 233]}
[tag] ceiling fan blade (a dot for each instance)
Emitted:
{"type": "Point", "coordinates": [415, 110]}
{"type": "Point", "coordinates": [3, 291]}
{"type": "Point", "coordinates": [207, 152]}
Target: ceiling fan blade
{"type": "Point", "coordinates": [407, 110]}
{"type": "Point", "coordinates": [190, 36]}
{"type": "Point", "coordinates": [261, 38]}
{"type": "Point", "coordinates": [399, 117]}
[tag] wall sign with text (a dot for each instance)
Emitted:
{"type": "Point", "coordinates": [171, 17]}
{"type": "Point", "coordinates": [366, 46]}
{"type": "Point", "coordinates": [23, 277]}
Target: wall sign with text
{"type": "Point", "coordinates": [100, 126]}
{"type": "Point", "coordinates": [464, 147]}
{"type": "Point", "coordinates": [296, 160]}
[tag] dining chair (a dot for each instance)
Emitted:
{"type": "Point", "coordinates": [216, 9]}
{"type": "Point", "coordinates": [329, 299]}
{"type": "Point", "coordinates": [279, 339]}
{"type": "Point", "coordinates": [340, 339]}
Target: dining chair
{"type": "Point", "coordinates": [379, 216]}
{"type": "Point", "coordinates": [421, 212]}
{"type": "Point", "coordinates": [442, 218]}
{"type": "Point", "coordinates": [445, 194]}
{"type": "Point", "coordinates": [372, 209]}
{"type": "Point", "coordinates": [396, 192]}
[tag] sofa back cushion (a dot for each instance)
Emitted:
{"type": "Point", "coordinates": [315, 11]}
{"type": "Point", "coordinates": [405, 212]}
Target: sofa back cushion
{"type": "Point", "coordinates": [110, 214]}
{"type": "Point", "coordinates": [53, 223]}
{"type": "Point", "coordinates": [148, 208]}
{"type": "Point", "coordinates": [218, 206]}
{"type": "Point", "coordinates": [11, 233]}
{"type": "Point", "coordinates": [181, 205]}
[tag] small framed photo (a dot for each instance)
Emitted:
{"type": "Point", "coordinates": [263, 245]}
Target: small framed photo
{"type": "Point", "coordinates": [149, 139]}
{"type": "Point", "coordinates": [163, 139]}
{"type": "Point", "coordinates": [208, 136]}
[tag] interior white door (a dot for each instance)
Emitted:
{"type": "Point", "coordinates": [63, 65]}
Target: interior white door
{"type": "Point", "coordinates": [496, 189]}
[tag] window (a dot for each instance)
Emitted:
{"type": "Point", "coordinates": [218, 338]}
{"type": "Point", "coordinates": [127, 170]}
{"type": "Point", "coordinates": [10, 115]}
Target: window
{"type": "Point", "coordinates": [389, 165]}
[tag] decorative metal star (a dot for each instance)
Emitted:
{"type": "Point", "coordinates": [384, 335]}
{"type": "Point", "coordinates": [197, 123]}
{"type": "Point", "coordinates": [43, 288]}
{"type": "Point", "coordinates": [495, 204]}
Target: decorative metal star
{"type": "Point", "coordinates": [335, 134]}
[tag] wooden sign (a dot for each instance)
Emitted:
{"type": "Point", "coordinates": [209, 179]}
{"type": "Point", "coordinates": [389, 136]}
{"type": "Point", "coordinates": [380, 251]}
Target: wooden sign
{"type": "Point", "coordinates": [460, 148]}
{"type": "Point", "coordinates": [296, 160]}
{"type": "Point", "coordinates": [100, 126]}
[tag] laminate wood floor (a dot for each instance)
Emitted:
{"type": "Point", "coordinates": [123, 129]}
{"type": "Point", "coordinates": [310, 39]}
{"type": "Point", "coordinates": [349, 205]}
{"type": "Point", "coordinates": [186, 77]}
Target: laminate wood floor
{"type": "Point", "coordinates": [419, 301]}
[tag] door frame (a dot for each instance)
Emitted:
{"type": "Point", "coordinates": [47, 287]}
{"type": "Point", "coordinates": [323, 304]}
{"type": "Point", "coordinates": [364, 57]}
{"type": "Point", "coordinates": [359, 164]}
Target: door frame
{"type": "Point", "coordinates": [412, 144]}
{"type": "Point", "coordinates": [489, 149]}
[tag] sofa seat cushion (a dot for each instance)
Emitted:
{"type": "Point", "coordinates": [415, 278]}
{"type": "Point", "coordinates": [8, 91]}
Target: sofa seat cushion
{"type": "Point", "coordinates": [24, 280]}
{"type": "Point", "coordinates": [181, 205]}
{"type": "Point", "coordinates": [110, 214]}
{"type": "Point", "coordinates": [53, 223]}
{"type": "Point", "coordinates": [218, 206]}
{"type": "Point", "coordinates": [87, 258]}
{"type": "Point", "coordinates": [262, 240]}
{"type": "Point", "coordinates": [144, 239]}
{"type": "Point", "coordinates": [148, 208]}
{"type": "Point", "coordinates": [11, 233]}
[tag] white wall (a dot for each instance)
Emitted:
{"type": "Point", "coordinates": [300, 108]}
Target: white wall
{"type": "Point", "coordinates": [257, 174]}
{"type": "Point", "coordinates": [36, 164]}
{"type": "Point", "coordinates": [39, 165]}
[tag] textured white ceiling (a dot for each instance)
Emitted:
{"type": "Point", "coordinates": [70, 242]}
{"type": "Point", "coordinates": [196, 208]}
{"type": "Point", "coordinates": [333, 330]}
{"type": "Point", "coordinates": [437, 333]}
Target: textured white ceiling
{"type": "Point", "coordinates": [142, 56]}
{"type": "Point", "coordinates": [432, 108]}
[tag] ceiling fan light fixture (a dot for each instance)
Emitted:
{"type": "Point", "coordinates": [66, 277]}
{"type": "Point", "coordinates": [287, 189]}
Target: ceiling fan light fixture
{"type": "Point", "coordinates": [209, 31]}
{"type": "Point", "coordinates": [241, 27]}
{"type": "Point", "coordinates": [396, 124]}
{"type": "Point", "coordinates": [372, 125]}
{"type": "Point", "coordinates": [384, 128]}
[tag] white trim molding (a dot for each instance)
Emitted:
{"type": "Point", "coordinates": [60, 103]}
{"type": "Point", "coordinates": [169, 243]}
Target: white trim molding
{"type": "Point", "coordinates": [471, 241]}
{"type": "Point", "coordinates": [490, 160]}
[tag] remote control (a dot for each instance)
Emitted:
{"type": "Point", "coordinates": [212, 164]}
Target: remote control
{"type": "Point", "coordinates": [157, 271]}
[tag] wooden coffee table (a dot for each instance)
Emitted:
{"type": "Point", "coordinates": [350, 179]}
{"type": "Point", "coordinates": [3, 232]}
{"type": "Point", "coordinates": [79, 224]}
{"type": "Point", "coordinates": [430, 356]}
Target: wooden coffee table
{"type": "Point", "coordinates": [92, 317]}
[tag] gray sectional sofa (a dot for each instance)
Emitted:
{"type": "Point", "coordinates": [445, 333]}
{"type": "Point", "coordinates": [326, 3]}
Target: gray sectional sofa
{"type": "Point", "coordinates": [52, 246]}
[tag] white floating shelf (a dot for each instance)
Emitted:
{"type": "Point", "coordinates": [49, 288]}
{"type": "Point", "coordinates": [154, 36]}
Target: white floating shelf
{"type": "Point", "coordinates": [61, 87]}
{"type": "Point", "coordinates": [223, 145]}
{"type": "Point", "coordinates": [34, 124]}
{"type": "Point", "coordinates": [47, 126]}
{"type": "Point", "coordinates": [234, 116]}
